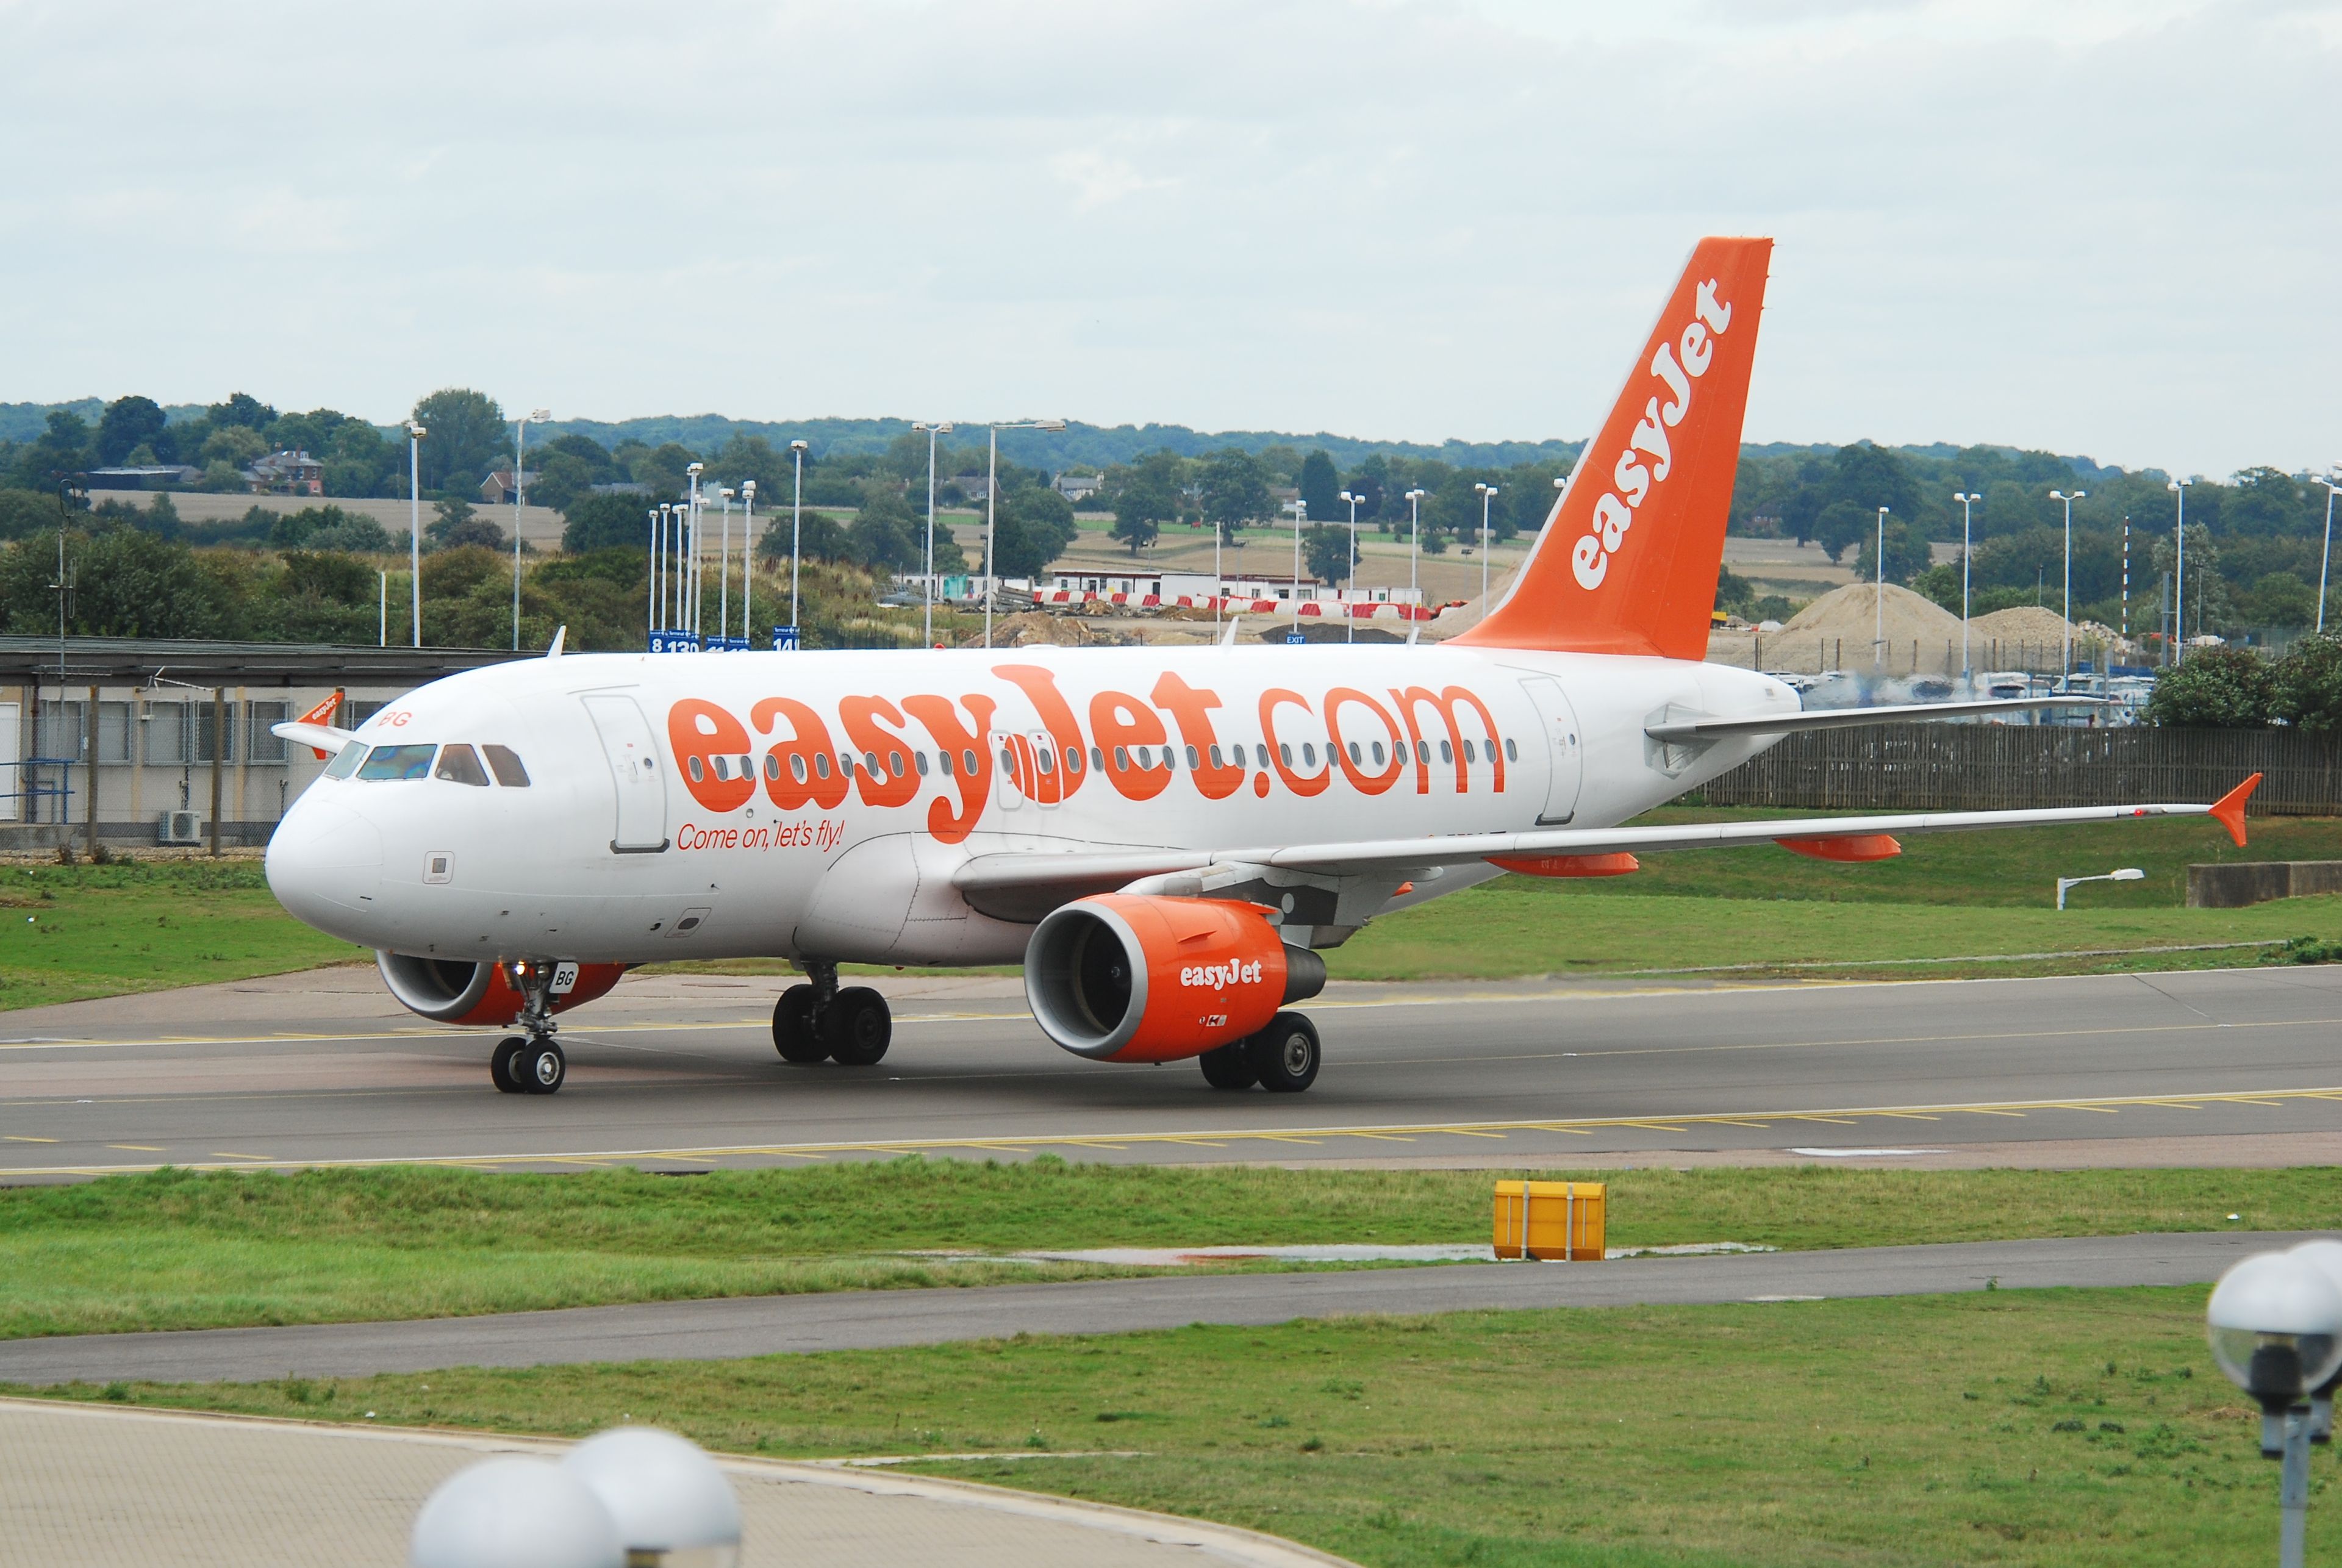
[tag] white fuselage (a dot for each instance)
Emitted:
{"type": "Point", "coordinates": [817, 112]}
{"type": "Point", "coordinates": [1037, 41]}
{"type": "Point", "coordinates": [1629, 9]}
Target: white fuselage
{"type": "Point", "coordinates": [632, 843]}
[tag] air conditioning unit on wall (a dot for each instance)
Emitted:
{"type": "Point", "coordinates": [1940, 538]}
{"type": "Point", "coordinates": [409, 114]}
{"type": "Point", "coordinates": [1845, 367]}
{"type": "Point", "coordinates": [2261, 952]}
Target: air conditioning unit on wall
{"type": "Point", "coordinates": [180, 827]}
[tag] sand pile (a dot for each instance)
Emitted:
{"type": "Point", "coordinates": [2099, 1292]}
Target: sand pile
{"type": "Point", "coordinates": [2024, 623]}
{"type": "Point", "coordinates": [1851, 613]}
{"type": "Point", "coordinates": [1032, 628]}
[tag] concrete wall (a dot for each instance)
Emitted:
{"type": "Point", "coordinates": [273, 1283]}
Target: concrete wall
{"type": "Point", "coordinates": [2234, 885]}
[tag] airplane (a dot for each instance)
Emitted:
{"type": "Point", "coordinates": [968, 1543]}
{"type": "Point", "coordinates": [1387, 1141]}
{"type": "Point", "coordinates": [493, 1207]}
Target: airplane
{"type": "Point", "coordinates": [1167, 839]}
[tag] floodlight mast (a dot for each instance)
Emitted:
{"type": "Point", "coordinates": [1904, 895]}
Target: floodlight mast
{"type": "Point", "coordinates": [991, 494]}
{"type": "Point", "coordinates": [2329, 479]}
{"type": "Point", "coordinates": [1349, 611]}
{"type": "Point", "coordinates": [414, 434]}
{"type": "Point", "coordinates": [1968, 552]}
{"type": "Point", "coordinates": [2178, 487]}
{"type": "Point", "coordinates": [2066, 654]}
{"type": "Point", "coordinates": [797, 542]}
{"type": "Point", "coordinates": [520, 489]}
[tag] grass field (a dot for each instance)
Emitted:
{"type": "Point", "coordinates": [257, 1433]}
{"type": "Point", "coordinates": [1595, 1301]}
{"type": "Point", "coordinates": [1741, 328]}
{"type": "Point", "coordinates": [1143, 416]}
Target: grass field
{"type": "Point", "coordinates": [2056, 1428]}
{"type": "Point", "coordinates": [178, 1249]}
{"type": "Point", "coordinates": [68, 933]}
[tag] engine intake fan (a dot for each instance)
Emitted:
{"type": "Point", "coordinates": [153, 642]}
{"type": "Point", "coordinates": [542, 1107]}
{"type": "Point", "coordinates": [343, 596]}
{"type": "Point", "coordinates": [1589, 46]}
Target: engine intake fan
{"type": "Point", "coordinates": [1131, 977]}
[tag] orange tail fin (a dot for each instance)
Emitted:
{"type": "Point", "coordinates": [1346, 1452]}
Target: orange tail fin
{"type": "Point", "coordinates": [1628, 560]}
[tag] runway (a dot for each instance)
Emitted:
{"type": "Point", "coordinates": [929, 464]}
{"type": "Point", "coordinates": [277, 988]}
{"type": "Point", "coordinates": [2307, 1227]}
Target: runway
{"type": "Point", "coordinates": [2235, 1067]}
{"type": "Point", "coordinates": [727, 1328]}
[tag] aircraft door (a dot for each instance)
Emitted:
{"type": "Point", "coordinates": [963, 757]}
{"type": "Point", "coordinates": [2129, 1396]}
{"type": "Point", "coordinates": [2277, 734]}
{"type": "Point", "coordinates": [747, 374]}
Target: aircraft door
{"type": "Point", "coordinates": [1564, 749]}
{"type": "Point", "coordinates": [633, 754]}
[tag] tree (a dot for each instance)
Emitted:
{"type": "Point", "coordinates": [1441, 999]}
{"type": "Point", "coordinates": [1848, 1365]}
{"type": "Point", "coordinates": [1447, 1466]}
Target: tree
{"type": "Point", "coordinates": [2215, 688]}
{"type": "Point", "coordinates": [1839, 525]}
{"type": "Point", "coordinates": [881, 537]}
{"type": "Point", "coordinates": [1145, 497]}
{"type": "Point", "coordinates": [1032, 527]}
{"type": "Point", "coordinates": [128, 424]}
{"type": "Point", "coordinates": [2309, 685]}
{"type": "Point", "coordinates": [1325, 546]}
{"type": "Point", "coordinates": [458, 524]}
{"type": "Point", "coordinates": [665, 469]}
{"type": "Point", "coordinates": [467, 440]}
{"type": "Point", "coordinates": [818, 535]}
{"type": "Point", "coordinates": [1321, 487]}
{"type": "Point", "coordinates": [1906, 553]}
{"type": "Point", "coordinates": [607, 522]}
{"type": "Point", "coordinates": [62, 448]}
{"type": "Point", "coordinates": [234, 445]}
{"type": "Point", "coordinates": [1235, 491]}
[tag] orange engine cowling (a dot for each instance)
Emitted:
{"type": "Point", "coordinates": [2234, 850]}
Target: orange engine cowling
{"type": "Point", "coordinates": [1127, 977]}
{"type": "Point", "coordinates": [456, 991]}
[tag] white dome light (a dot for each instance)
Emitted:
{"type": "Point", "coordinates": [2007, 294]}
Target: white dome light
{"type": "Point", "coordinates": [672, 1504]}
{"type": "Point", "coordinates": [515, 1513]}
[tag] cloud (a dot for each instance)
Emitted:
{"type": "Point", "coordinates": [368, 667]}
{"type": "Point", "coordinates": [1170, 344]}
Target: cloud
{"type": "Point", "coordinates": [2097, 227]}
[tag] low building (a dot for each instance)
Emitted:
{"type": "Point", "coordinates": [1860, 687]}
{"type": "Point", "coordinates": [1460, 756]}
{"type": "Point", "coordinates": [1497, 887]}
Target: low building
{"type": "Point", "coordinates": [287, 474]}
{"type": "Point", "coordinates": [142, 476]}
{"type": "Point", "coordinates": [152, 723]}
{"type": "Point", "coordinates": [1076, 486]}
{"type": "Point", "coordinates": [497, 489]}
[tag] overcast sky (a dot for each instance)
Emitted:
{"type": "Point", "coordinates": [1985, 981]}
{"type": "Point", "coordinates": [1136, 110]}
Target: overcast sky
{"type": "Point", "coordinates": [2105, 228]}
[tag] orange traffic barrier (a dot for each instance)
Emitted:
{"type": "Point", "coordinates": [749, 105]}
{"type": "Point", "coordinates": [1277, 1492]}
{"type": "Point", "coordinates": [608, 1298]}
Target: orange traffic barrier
{"type": "Point", "coordinates": [1551, 1221]}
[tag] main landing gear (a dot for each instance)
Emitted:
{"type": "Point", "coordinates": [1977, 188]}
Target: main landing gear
{"type": "Point", "coordinates": [1283, 1058]}
{"type": "Point", "coordinates": [817, 1022]}
{"type": "Point", "coordinates": [530, 1062]}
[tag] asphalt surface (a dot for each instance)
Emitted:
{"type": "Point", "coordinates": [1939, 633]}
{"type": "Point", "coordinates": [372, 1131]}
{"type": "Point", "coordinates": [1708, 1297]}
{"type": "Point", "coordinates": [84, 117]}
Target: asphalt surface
{"type": "Point", "coordinates": [871, 1320]}
{"type": "Point", "coordinates": [678, 1073]}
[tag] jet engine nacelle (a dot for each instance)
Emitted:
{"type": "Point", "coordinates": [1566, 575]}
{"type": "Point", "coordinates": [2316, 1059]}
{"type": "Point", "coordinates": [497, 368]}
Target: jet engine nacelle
{"type": "Point", "coordinates": [1129, 977]}
{"type": "Point", "coordinates": [456, 991]}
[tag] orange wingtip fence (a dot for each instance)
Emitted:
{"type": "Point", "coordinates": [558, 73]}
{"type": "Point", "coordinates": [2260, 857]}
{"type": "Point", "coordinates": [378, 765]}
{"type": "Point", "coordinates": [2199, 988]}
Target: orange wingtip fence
{"type": "Point", "coordinates": [1552, 1221]}
{"type": "Point", "coordinates": [2229, 809]}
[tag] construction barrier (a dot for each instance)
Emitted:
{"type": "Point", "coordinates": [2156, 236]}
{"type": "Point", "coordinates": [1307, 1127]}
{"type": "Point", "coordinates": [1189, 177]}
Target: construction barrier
{"type": "Point", "coordinates": [1552, 1221]}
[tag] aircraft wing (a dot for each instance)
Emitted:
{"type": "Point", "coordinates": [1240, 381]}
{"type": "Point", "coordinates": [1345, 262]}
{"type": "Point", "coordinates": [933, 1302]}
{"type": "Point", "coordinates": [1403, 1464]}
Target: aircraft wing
{"type": "Point", "coordinates": [1680, 730]}
{"type": "Point", "coordinates": [1020, 882]}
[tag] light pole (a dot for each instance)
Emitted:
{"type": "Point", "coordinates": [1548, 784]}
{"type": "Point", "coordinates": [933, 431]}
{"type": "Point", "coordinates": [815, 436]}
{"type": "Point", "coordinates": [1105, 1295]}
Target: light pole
{"type": "Point", "coordinates": [1349, 611]}
{"type": "Point", "coordinates": [747, 558]}
{"type": "Point", "coordinates": [2179, 571]}
{"type": "Point", "coordinates": [1487, 493]}
{"type": "Point", "coordinates": [1414, 539]}
{"type": "Point", "coordinates": [796, 539]}
{"type": "Point", "coordinates": [662, 570]}
{"type": "Point", "coordinates": [2328, 548]}
{"type": "Point", "coordinates": [651, 610]}
{"type": "Point", "coordinates": [520, 487]}
{"type": "Point", "coordinates": [2066, 656]}
{"type": "Point", "coordinates": [1300, 510]}
{"type": "Point", "coordinates": [1966, 501]}
{"type": "Point", "coordinates": [691, 588]}
{"type": "Point", "coordinates": [2275, 1322]}
{"type": "Point", "coordinates": [414, 434]}
{"type": "Point", "coordinates": [991, 492]}
{"type": "Point", "coordinates": [940, 428]}
{"type": "Point", "coordinates": [724, 569]}
{"type": "Point", "coordinates": [1878, 598]}
{"type": "Point", "coordinates": [2127, 874]}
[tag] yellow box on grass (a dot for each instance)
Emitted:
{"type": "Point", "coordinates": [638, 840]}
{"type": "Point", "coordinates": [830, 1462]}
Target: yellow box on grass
{"type": "Point", "coordinates": [1552, 1221]}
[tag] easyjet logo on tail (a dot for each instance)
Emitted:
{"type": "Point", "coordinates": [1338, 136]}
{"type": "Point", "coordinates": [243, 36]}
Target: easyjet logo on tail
{"type": "Point", "coordinates": [1675, 365]}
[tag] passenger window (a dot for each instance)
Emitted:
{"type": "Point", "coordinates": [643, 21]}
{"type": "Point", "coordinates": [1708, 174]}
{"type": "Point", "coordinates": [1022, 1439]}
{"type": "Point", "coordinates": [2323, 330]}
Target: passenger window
{"type": "Point", "coordinates": [1007, 761]}
{"type": "Point", "coordinates": [821, 763]}
{"type": "Point", "coordinates": [895, 764]}
{"type": "Point", "coordinates": [1309, 754]}
{"type": "Point", "coordinates": [1356, 759]}
{"type": "Point", "coordinates": [504, 763]}
{"type": "Point", "coordinates": [1447, 751]}
{"type": "Point", "coordinates": [1285, 752]}
{"type": "Point", "coordinates": [944, 761]}
{"type": "Point", "coordinates": [1512, 751]}
{"type": "Point", "coordinates": [345, 761]}
{"type": "Point", "coordinates": [797, 766]}
{"type": "Point", "coordinates": [1467, 752]}
{"type": "Point", "coordinates": [1216, 761]}
{"type": "Point", "coordinates": [1194, 761]}
{"type": "Point", "coordinates": [1047, 759]}
{"type": "Point", "coordinates": [396, 763]}
{"type": "Point", "coordinates": [1072, 759]}
{"type": "Point", "coordinates": [968, 763]}
{"type": "Point", "coordinates": [459, 765]}
{"type": "Point", "coordinates": [1097, 759]}
{"type": "Point", "coordinates": [1121, 759]}
{"type": "Point", "coordinates": [921, 759]}
{"type": "Point", "coordinates": [1378, 753]}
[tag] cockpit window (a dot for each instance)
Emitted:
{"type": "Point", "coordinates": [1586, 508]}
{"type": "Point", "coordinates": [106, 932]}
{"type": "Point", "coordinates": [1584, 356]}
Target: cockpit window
{"type": "Point", "coordinates": [505, 763]}
{"type": "Point", "coordinates": [459, 765]}
{"type": "Point", "coordinates": [345, 761]}
{"type": "Point", "coordinates": [396, 763]}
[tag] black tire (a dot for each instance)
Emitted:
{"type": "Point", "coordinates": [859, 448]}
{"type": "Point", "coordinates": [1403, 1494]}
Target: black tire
{"type": "Point", "coordinates": [543, 1068]}
{"type": "Point", "coordinates": [1229, 1067]}
{"type": "Point", "coordinates": [794, 1036]}
{"type": "Point", "coordinates": [502, 1069]}
{"type": "Point", "coordinates": [1286, 1054]}
{"type": "Point", "coordinates": [858, 1027]}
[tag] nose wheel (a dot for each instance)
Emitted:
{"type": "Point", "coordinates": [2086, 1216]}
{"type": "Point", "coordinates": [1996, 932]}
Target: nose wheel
{"type": "Point", "coordinates": [530, 1062]}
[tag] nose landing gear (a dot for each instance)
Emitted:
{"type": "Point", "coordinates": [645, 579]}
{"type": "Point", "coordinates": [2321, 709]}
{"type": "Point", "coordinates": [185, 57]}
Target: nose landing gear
{"type": "Point", "coordinates": [816, 1021]}
{"type": "Point", "coordinates": [530, 1062]}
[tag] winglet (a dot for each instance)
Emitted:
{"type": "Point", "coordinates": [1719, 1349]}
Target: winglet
{"type": "Point", "coordinates": [2230, 808]}
{"type": "Point", "coordinates": [559, 637]}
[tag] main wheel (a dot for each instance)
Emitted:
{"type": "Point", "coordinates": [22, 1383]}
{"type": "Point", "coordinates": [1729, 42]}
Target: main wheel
{"type": "Point", "coordinates": [542, 1067]}
{"type": "Point", "coordinates": [502, 1069]}
{"type": "Point", "coordinates": [1284, 1054]}
{"type": "Point", "coordinates": [858, 1027]}
{"type": "Point", "coordinates": [794, 1036]}
{"type": "Point", "coordinates": [1228, 1067]}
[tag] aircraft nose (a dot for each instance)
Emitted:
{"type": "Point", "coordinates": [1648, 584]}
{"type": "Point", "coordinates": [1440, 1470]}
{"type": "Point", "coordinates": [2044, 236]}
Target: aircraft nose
{"type": "Point", "coordinates": [325, 865]}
